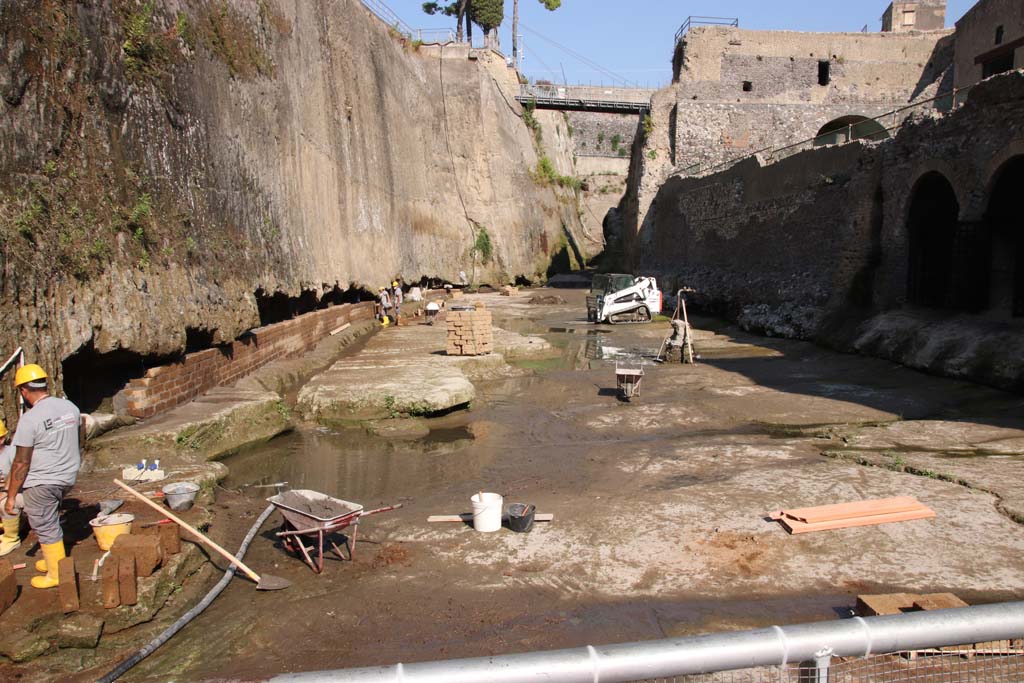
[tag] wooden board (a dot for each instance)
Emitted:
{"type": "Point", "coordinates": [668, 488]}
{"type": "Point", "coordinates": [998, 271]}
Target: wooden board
{"type": "Point", "coordinates": [468, 517]}
{"type": "Point", "coordinates": [828, 513]}
{"type": "Point", "coordinates": [797, 527]}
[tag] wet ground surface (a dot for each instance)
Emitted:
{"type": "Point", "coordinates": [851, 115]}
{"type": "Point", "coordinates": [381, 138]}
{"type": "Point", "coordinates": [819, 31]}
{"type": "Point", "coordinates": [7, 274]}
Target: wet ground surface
{"type": "Point", "coordinates": [659, 507]}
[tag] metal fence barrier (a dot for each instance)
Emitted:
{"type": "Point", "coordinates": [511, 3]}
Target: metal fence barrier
{"type": "Point", "coordinates": [886, 649]}
{"type": "Point", "coordinates": [692, 21]}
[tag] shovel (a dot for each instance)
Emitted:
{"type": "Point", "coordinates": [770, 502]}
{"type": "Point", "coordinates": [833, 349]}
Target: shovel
{"type": "Point", "coordinates": [263, 583]}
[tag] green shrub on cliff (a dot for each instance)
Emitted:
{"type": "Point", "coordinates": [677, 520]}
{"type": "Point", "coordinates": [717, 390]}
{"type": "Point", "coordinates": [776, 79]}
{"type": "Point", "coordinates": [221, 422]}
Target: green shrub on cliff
{"type": "Point", "coordinates": [483, 247]}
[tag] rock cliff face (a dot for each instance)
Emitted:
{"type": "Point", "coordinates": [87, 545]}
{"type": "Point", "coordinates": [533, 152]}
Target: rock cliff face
{"type": "Point", "coordinates": [165, 166]}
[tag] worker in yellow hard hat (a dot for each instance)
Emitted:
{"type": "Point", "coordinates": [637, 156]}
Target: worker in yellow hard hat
{"type": "Point", "coordinates": [398, 298]}
{"type": "Point", "coordinates": [47, 456]}
{"type": "Point", "coordinates": [11, 523]}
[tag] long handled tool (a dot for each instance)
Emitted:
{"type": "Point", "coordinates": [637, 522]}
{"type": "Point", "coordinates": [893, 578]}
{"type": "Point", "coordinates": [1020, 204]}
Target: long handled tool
{"type": "Point", "coordinates": [263, 583]}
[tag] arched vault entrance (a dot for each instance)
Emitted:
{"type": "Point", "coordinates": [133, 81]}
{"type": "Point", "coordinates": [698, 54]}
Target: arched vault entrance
{"type": "Point", "coordinates": [847, 128]}
{"type": "Point", "coordinates": [931, 227]}
{"type": "Point", "coordinates": [1005, 218]}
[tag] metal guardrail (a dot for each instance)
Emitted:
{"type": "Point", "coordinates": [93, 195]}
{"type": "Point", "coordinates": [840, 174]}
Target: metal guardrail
{"type": "Point", "coordinates": [888, 122]}
{"type": "Point", "coordinates": [423, 35]}
{"type": "Point", "coordinates": [815, 644]}
{"type": "Point", "coordinates": [576, 104]}
{"type": "Point", "coordinates": [692, 21]}
{"type": "Point", "coordinates": [581, 98]}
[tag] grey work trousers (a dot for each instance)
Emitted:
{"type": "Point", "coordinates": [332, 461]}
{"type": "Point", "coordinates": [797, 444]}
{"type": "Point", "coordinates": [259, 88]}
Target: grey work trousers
{"type": "Point", "coordinates": [42, 507]}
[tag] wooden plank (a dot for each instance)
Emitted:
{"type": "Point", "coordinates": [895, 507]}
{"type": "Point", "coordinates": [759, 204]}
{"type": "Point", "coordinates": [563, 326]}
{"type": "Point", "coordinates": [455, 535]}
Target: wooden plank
{"type": "Point", "coordinates": [468, 517]}
{"type": "Point", "coordinates": [934, 601]}
{"type": "Point", "coordinates": [797, 527]}
{"type": "Point", "coordinates": [827, 513]}
{"type": "Point", "coordinates": [67, 586]}
{"type": "Point", "coordinates": [886, 603]}
{"type": "Point", "coordinates": [8, 585]}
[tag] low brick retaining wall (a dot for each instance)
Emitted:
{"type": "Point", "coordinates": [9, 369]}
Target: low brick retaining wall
{"type": "Point", "coordinates": [167, 386]}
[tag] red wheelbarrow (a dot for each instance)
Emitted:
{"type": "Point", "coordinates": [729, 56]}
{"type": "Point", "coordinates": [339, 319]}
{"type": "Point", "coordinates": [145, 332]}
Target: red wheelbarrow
{"type": "Point", "coordinates": [310, 513]}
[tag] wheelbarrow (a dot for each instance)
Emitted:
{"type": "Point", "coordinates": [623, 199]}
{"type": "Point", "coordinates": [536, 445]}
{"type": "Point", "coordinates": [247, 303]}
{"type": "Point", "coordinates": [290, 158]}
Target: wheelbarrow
{"type": "Point", "coordinates": [310, 514]}
{"type": "Point", "coordinates": [628, 380]}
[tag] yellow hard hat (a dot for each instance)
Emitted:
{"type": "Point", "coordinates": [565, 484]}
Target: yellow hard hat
{"type": "Point", "coordinates": [28, 373]}
{"type": "Point", "coordinates": [3, 429]}
{"type": "Point", "coordinates": [395, 283]}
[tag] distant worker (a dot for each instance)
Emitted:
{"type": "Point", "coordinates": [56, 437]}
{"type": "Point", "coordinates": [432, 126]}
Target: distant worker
{"type": "Point", "coordinates": [398, 297]}
{"type": "Point", "coordinates": [385, 305]}
{"type": "Point", "coordinates": [11, 523]}
{"type": "Point", "coordinates": [48, 443]}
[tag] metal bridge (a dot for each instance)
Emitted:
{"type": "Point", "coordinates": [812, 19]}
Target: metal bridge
{"type": "Point", "coordinates": [600, 99]}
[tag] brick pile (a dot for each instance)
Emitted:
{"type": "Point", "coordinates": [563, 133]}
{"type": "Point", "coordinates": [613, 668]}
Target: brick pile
{"type": "Point", "coordinates": [167, 386]}
{"type": "Point", "coordinates": [469, 332]}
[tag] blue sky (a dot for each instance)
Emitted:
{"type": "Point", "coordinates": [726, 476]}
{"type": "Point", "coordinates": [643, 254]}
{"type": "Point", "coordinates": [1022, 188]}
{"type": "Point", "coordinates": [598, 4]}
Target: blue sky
{"type": "Point", "coordinates": [633, 39]}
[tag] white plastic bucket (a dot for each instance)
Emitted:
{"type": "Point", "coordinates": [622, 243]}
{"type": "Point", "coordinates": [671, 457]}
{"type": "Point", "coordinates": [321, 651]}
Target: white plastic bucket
{"type": "Point", "coordinates": [487, 509]}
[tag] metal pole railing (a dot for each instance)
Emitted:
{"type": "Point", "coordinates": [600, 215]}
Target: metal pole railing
{"type": "Point", "coordinates": [775, 646]}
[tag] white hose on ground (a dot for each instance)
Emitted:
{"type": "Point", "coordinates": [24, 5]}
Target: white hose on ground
{"type": "Point", "coordinates": [122, 668]}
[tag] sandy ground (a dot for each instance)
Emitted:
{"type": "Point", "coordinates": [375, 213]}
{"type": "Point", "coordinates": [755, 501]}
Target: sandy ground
{"type": "Point", "coordinates": [660, 505]}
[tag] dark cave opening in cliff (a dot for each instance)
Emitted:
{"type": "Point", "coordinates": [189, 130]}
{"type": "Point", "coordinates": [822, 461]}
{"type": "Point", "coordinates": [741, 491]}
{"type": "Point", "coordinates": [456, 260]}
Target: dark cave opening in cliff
{"type": "Point", "coordinates": [92, 378]}
{"type": "Point", "coordinates": [932, 227]}
{"type": "Point", "coordinates": [336, 296]}
{"type": "Point", "coordinates": [1006, 225]}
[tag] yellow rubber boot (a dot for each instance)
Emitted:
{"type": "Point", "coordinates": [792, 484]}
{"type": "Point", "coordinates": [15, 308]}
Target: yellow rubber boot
{"type": "Point", "coordinates": [53, 553]}
{"type": "Point", "coordinates": [41, 566]}
{"type": "Point", "coordinates": [10, 540]}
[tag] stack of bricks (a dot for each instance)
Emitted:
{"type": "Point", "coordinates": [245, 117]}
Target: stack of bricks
{"type": "Point", "coordinates": [166, 386]}
{"type": "Point", "coordinates": [469, 332]}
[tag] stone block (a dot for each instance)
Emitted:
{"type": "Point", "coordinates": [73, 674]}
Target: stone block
{"type": "Point", "coordinates": [127, 579]}
{"type": "Point", "coordinates": [80, 630]}
{"type": "Point", "coordinates": [144, 548]}
{"type": "Point", "coordinates": [67, 589]}
{"type": "Point", "coordinates": [8, 585]}
{"type": "Point", "coordinates": [170, 539]}
{"type": "Point", "coordinates": [19, 645]}
{"type": "Point", "coordinates": [109, 586]}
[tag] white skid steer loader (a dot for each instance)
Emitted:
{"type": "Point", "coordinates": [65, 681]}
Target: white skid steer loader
{"type": "Point", "coordinates": [617, 298]}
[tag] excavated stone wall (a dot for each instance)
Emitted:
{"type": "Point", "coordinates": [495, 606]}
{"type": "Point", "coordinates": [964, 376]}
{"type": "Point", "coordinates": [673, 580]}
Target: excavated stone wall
{"type": "Point", "coordinates": [158, 168]}
{"type": "Point", "coordinates": [819, 246]}
{"type": "Point", "coordinates": [737, 92]}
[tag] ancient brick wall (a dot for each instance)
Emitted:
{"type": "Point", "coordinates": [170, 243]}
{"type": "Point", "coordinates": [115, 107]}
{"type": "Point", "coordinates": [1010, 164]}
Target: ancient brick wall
{"type": "Point", "coordinates": [166, 386]}
{"type": "Point", "coordinates": [814, 244]}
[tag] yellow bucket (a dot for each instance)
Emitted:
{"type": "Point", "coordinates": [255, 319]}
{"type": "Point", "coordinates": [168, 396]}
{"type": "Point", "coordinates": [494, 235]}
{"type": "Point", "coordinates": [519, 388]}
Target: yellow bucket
{"type": "Point", "coordinates": [106, 528]}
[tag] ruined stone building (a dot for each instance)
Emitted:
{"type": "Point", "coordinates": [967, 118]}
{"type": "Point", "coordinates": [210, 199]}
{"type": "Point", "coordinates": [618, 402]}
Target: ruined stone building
{"type": "Point", "coordinates": [905, 244]}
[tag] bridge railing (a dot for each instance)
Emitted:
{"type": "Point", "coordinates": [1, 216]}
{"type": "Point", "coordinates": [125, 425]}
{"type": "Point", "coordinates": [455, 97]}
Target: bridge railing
{"type": "Point", "coordinates": [692, 21]}
{"type": "Point", "coordinates": [585, 92]}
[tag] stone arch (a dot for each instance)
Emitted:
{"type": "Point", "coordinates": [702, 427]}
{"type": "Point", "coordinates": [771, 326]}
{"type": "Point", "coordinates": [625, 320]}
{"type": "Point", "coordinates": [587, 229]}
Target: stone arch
{"type": "Point", "coordinates": [1004, 216]}
{"type": "Point", "coordinates": [931, 232]}
{"type": "Point", "coordinates": [850, 127]}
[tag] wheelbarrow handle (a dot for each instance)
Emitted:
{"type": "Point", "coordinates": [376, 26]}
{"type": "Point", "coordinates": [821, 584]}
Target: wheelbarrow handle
{"type": "Point", "coordinates": [329, 527]}
{"type": "Point", "coordinates": [389, 508]}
